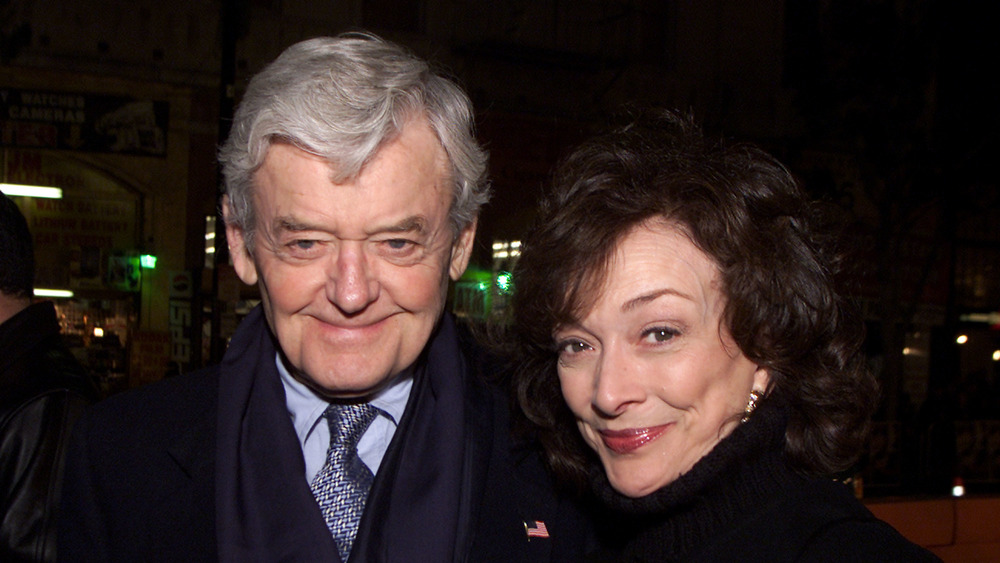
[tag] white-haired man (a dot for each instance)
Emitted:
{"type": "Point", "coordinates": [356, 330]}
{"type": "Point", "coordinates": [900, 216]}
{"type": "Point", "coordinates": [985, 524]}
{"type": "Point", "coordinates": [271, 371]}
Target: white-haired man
{"type": "Point", "coordinates": [349, 418]}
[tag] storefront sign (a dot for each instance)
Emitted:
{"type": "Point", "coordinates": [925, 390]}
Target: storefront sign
{"type": "Point", "coordinates": [86, 240]}
{"type": "Point", "coordinates": [78, 239]}
{"type": "Point", "coordinates": [180, 327]}
{"type": "Point", "coordinates": [82, 122]}
{"type": "Point", "coordinates": [181, 284]}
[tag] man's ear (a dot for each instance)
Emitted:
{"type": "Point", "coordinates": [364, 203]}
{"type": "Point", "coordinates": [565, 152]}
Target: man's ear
{"type": "Point", "coordinates": [461, 251]}
{"type": "Point", "coordinates": [243, 262]}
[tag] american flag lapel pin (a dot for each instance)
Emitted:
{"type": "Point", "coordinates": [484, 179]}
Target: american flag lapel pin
{"type": "Point", "coordinates": [535, 529]}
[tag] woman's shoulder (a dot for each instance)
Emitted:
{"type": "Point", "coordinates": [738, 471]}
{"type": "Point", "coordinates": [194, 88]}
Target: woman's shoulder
{"type": "Point", "coordinates": [817, 520]}
{"type": "Point", "coordinates": [834, 526]}
{"type": "Point", "coordinates": [861, 539]}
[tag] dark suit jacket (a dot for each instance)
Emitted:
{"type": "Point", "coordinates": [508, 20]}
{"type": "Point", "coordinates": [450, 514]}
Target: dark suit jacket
{"type": "Point", "coordinates": [164, 473]}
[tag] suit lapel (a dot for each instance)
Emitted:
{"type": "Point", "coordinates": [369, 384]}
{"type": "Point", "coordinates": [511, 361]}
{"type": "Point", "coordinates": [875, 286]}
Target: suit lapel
{"type": "Point", "coordinates": [479, 443]}
{"type": "Point", "coordinates": [193, 452]}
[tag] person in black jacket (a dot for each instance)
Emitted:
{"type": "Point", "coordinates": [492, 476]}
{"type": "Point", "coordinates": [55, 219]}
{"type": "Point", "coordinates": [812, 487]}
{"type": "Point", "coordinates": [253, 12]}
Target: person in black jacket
{"type": "Point", "coordinates": [683, 353]}
{"type": "Point", "coordinates": [43, 390]}
{"type": "Point", "coordinates": [353, 186]}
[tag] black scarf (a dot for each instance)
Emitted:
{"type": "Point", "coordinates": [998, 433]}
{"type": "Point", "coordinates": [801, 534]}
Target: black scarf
{"type": "Point", "coordinates": [265, 510]}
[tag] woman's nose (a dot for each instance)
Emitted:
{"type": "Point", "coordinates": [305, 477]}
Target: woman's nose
{"type": "Point", "coordinates": [617, 384]}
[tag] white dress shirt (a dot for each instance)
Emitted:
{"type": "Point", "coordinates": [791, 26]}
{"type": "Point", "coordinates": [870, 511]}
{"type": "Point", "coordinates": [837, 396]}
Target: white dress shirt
{"type": "Point", "coordinates": [306, 409]}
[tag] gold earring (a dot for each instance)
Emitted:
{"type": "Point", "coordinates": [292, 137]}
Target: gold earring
{"type": "Point", "coordinates": [755, 396]}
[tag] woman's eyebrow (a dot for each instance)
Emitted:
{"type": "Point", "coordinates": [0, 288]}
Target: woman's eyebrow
{"type": "Point", "coordinates": [635, 302]}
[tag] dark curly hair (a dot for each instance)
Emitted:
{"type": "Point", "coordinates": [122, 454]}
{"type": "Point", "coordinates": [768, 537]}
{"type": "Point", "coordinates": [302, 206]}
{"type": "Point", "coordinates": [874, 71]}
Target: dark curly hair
{"type": "Point", "coordinates": [744, 210]}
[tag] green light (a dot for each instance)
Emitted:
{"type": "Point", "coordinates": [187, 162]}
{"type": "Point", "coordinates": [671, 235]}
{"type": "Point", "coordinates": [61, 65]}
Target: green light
{"type": "Point", "coordinates": [503, 281]}
{"type": "Point", "coordinates": [147, 261]}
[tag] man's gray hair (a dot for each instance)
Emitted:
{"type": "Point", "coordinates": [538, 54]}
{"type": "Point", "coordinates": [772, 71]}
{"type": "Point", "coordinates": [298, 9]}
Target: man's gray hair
{"type": "Point", "coordinates": [341, 98]}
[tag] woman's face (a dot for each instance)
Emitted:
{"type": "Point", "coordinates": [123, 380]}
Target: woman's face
{"type": "Point", "coordinates": [651, 373]}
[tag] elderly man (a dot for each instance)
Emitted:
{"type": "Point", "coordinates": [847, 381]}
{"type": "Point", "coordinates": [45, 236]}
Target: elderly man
{"type": "Point", "coordinates": [349, 419]}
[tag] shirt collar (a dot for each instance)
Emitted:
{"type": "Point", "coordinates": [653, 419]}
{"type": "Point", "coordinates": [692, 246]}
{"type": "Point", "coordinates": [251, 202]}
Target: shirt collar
{"type": "Point", "coordinates": [306, 407]}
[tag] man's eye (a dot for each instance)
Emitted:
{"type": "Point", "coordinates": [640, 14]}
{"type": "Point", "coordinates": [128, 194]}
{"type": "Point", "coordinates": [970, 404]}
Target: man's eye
{"type": "Point", "coordinates": [303, 244]}
{"type": "Point", "coordinates": [398, 243]}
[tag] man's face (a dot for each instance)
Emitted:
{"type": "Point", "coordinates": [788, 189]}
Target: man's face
{"type": "Point", "coordinates": [353, 276]}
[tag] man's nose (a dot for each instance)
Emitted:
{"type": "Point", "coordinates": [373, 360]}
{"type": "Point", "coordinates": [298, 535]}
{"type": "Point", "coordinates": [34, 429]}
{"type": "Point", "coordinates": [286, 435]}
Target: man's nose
{"type": "Point", "coordinates": [351, 285]}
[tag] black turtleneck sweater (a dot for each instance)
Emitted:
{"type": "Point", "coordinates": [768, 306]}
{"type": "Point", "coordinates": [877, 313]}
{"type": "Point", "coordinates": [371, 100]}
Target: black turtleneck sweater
{"type": "Point", "coordinates": [742, 502]}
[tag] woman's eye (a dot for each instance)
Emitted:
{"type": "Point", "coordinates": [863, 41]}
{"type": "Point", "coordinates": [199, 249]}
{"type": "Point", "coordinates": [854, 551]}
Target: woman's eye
{"type": "Point", "coordinates": [660, 334]}
{"type": "Point", "coordinates": [572, 347]}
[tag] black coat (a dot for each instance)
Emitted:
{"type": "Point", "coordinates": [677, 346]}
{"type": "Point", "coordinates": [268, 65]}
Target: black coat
{"type": "Point", "coordinates": [43, 390]}
{"type": "Point", "coordinates": [177, 470]}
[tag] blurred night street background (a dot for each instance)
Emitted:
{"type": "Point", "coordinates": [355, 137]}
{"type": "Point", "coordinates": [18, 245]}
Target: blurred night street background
{"type": "Point", "coordinates": [886, 109]}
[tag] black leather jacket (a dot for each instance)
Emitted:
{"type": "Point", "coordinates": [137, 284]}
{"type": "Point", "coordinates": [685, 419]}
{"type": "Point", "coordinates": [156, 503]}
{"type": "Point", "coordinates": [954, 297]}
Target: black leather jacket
{"type": "Point", "coordinates": [43, 390]}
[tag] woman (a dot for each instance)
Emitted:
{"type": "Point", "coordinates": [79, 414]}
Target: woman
{"type": "Point", "coordinates": [676, 324]}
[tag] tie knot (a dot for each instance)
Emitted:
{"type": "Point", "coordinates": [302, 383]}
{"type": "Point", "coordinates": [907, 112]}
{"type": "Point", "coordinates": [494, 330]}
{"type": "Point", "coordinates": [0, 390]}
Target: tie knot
{"type": "Point", "coordinates": [348, 422]}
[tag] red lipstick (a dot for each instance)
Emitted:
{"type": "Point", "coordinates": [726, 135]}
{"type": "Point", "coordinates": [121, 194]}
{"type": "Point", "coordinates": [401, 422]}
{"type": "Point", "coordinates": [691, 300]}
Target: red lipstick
{"type": "Point", "coordinates": [630, 439]}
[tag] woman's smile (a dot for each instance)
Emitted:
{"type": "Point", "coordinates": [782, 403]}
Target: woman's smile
{"type": "Point", "coordinates": [628, 440]}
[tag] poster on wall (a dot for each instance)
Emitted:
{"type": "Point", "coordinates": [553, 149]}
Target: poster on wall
{"type": "Point", "coordinates": [124, 273]}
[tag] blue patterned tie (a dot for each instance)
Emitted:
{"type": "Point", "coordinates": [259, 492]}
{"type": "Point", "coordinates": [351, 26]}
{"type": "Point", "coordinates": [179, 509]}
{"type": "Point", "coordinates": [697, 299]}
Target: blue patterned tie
{"type": "Point", "coordinates": [341, 487]}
